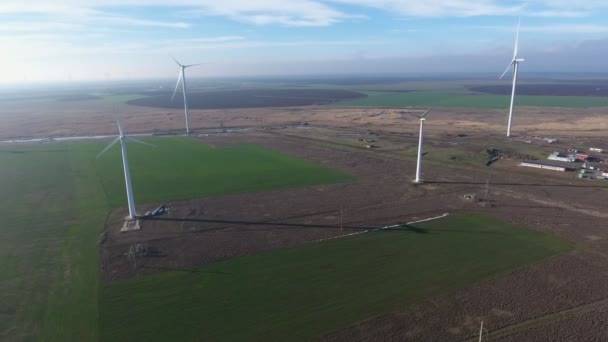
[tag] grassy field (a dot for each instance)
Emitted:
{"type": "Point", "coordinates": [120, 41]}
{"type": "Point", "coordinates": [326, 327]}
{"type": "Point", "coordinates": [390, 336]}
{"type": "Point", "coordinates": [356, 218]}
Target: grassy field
{"type": "Point", "coordinates": [438, 99]}
{"type": "Point", "coordinates": [55, 198]}
{"type": "Point", "coordinates": [180, 168]}
{"type": "Point", "coordinates": [53, 208]}
{"type": "Point", "coordinates": [297, 294]}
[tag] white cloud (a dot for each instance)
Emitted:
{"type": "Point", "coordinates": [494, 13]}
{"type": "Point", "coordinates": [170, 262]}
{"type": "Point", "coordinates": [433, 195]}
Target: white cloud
{"type": "Point", "coordinates": [37, 26]}
{"type": "Point", "coordinates": [438, 8]}
{"type": "Point", "coordinates": [266, 12]}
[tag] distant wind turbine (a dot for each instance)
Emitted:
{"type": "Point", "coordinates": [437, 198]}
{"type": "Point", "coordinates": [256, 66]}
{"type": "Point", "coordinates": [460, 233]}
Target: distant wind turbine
{"type": "Point", "coordinates": [515, 63]}
{"type": "Point", "coordinates": [125, 163]}
{"type": "Point", "coordinates": [419, 161]}
{"type": "Point", "coordinates": [182, 77]}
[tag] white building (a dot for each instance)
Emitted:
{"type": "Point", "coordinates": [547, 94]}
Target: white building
{"type": "Point", "coordinates": [595, 149]}
{"type": "Point", "coordinates": [560, 157]}
{"type": "Point", "coordinates": [543, 166]}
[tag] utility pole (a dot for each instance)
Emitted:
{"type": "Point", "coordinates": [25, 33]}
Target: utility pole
{"type": "Point", "coordinates": [341, 216]}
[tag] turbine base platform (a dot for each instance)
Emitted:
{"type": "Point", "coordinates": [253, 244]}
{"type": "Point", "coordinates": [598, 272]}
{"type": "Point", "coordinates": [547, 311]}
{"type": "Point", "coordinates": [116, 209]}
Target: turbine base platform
{"type": "Point", "coordinates": [130, 225]}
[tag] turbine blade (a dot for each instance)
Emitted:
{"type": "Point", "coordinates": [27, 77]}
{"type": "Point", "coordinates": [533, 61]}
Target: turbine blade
{"type": "Point", "coordinates": [517, 40]}
{"type": "Point", "coordinates": [178, 63]}
{"type": "Point", "coordinates": [425, 113]}
{"type": "Point", "coordinates": [179, 78]}
{"type": "Point", "coordinates": [191, 65]}
{"type": "Point", "coordinates": [506, 70]}
{"type": "Point", "coordinates": [119, 128]}
{"type": "Point", "coordinates": [108, 147]}
{"type": "Point", "coordinates": [139, 141]}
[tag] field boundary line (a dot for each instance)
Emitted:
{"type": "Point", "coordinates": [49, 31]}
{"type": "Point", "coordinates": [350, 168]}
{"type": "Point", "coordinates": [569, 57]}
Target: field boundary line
{"type": "Point", "coordinates": [382, 228]}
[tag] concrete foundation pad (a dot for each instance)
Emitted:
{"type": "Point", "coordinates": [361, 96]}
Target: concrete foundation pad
{"type": "Point", "coordinates": [130, 225]}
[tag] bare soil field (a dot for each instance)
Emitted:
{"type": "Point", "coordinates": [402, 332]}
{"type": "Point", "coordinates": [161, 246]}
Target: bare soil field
{"type": "Point", "coordinates": [546, 89]}
{"type": "Point", "coordinates": [561, 299]}
{"type": "Point", "coordinates": [53, 119]}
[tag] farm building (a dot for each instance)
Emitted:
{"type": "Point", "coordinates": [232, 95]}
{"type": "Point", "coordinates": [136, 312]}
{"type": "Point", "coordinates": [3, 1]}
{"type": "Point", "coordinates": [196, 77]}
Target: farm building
{"type": "Point", "coordinates": [595, 149]}
{"type": "Point", "coordinates": [581, 156]}
{"type": "Point", "coordinates": [561, 157]}
{"type": "Point", "coordinates": [605, 173]}
{"type": "Point", "coordinates": [538, 165]}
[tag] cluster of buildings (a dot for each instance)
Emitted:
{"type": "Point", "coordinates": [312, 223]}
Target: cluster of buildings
{"type": "Point", "coordinates": [575, 155]}
{"type": "Point", "coordinates": [589, 169]}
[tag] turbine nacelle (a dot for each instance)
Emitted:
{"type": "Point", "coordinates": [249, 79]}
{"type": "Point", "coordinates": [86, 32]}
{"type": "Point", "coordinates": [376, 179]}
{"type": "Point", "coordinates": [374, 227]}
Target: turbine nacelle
{"type": "Point", "coordinates": [421, 116]}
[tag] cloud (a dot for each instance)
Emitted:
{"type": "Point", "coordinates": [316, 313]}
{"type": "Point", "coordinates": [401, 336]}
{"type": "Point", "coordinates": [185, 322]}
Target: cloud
{"type": "Point", "coordinates": [37, 26]}
{"type": "Point", "coordinates": [267, 12]}
{"type": "Point", "coordinates": [299, 13]}
{"type": "Point", "coordinates": [438, 8]}
{"type": "Point", "coordinates": [257, 12]}
{"type": "Point", "coordinates": [129, 21]}
{"type": "Point", "coordinates": [61, 15]}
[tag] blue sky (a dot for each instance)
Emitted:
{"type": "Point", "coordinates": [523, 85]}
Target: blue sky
{"type": "Point", "coordinates": [132, 39]}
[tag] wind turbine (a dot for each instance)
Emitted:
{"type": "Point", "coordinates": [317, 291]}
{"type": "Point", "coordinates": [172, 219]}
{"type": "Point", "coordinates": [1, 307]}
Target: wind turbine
{"type": "Point", "coordinates": [515, 63]}
{"type": "Point", "coordinates": [182, 77]}
{"type": "Point", "coordinates": [419, 161]}
{"type": "Point", "coordinates": [125, 163]}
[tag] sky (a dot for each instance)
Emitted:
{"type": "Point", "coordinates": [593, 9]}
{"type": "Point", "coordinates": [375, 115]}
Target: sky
{"type": "Point", "coordinates": [134, 39]}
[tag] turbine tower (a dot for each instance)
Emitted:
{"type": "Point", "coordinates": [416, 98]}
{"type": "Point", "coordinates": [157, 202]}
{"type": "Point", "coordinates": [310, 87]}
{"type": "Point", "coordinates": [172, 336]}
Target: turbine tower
{"type": "Point", "coordinates": [125, 163]}
{"type": "Point", "coordinates": [419, 160]}
{"type": "Point", "coordinates": [182, 77]}
{"type": "Point", "coordinates": [515, 63]}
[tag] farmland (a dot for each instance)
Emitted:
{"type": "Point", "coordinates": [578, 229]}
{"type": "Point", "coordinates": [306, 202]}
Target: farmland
{"type": "Point", "coordinates": [454, 94]}
{"type": "Point", "coordinates": [551, 89]}
{"type": "Point", "coordinates": [121, 98]}
{"type": "Point", "coordinates": [248, 98]}
{"type": "Point", "coordinates": [232, 208]}
{"type": "Point", "coordinates": [199, 170]}
{"type": "Point", "coordinates": [55, 200]}
{"type": "Point", "coordinates": [301, 293]}
{"type": "Point", "coordinates": [438, 99]}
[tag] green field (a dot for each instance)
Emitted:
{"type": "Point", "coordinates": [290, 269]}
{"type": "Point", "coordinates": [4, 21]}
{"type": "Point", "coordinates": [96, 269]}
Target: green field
{"type": "Point", "coordinates": [55, 198]}
{"type": "Point", "coordinates": [297, 294]}
{"type": "Point", "coordinates": [438, 99]}
{"type": "Point", "coordinates": [180, 168]}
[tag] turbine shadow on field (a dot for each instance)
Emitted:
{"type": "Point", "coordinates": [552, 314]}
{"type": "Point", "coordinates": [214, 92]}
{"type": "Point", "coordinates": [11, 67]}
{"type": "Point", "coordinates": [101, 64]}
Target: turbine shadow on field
{"type": "Point", "coordinates": [280, 225]}
{"type": "Point", "coordinates": [258, 223]}
{"type": "Point", "coordinates": [512, 184]}
{"type": "Point", "coordinates": [31, 151]}
{"type": "Point", "coordinates": [187, 270]}
{"type": "Point", "coordinates": [410, 228]}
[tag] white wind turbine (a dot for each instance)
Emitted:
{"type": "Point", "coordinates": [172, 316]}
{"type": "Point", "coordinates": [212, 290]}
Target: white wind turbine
{"type": "Point", "coordinates": [515, 63]}
{"type": "Point", "coordinates": [419, 161]}
{"type": "Point", "coordinates": [125, 163]}
{"type": "Point", "coordinates": [182, 77]}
